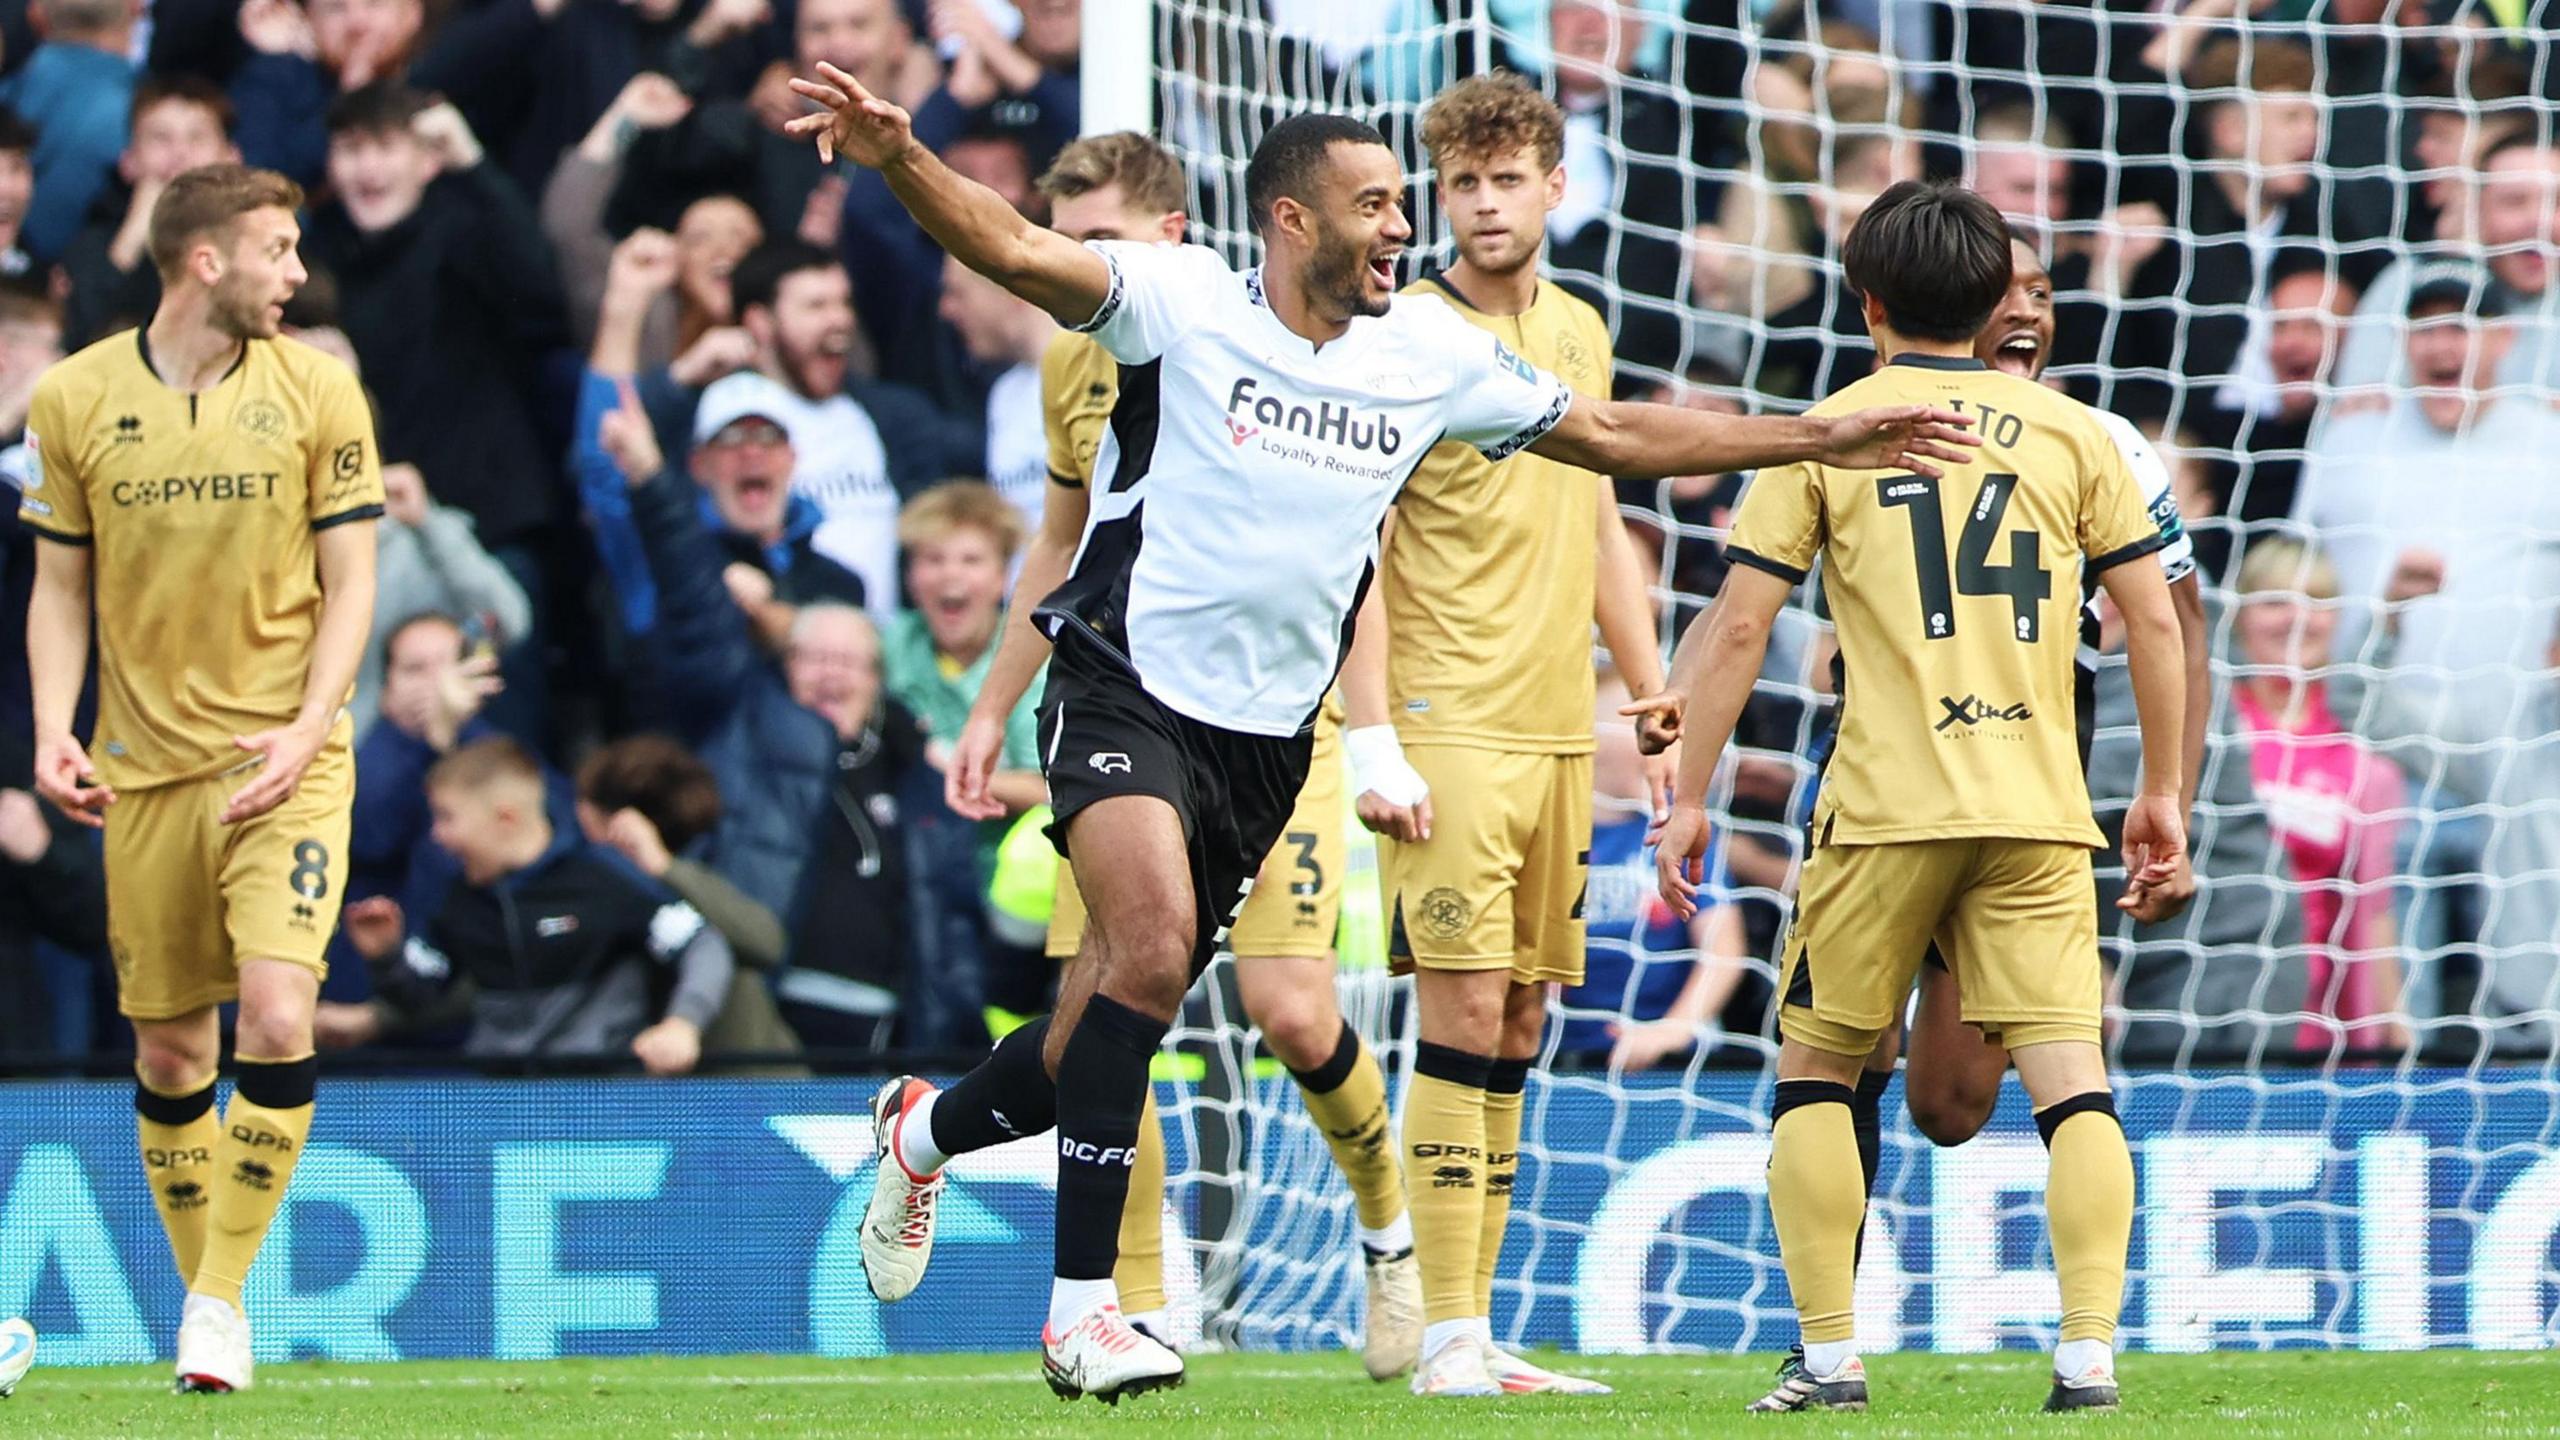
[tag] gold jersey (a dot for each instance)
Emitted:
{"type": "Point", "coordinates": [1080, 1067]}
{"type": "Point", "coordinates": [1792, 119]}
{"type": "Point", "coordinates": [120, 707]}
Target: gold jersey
{"type": "Point", "coordinates": [1957, 602]}
{"type": "Point", "coordinates": [1078, 383]}
{"type": "Point", "coordinates": [1492, 568]}
{"type": "Point", "coordinates": [201, 512]}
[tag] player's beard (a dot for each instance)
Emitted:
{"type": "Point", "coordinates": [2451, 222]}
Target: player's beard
{"type": "Point", "coordinates": [239, 313]}
{"type": "Point", "coordinates": [1338, 276]}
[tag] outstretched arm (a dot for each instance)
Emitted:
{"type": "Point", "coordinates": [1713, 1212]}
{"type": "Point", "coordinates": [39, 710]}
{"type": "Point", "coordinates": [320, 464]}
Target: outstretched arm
{"type": "Point", "coordinates": [1637, 441]}
{"type": "Point", "coordinates": [964, 217]}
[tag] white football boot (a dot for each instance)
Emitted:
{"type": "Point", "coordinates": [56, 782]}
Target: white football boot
{"type": "Point", "coordinates": [1519, 1377]}
{"type": "Point", "coordinates": [1456, 1369]}
{"type": "Point", "coordinates": [1391, 1337]}
{"type": "Point", "coordinates": [897, 1231]}
{"type": "Point", "coordinates": [1102, 1356]}
{"type": "Point", "coordinates": [17, 1354]}
{"type": "Point", "coordinates": [213, 1348]}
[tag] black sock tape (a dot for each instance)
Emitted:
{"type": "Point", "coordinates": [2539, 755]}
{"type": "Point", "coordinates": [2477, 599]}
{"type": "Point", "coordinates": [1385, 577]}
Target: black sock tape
{"type": "Point", "coordinates": [2100, 1102]}
{"type": "Point", "coordinates": [280, 1084]}
{"type": "Point", "coordinates": [162, 1109]}
{"type": "Point", "coordinates": [1457, 1067]}
{"type": "Point", "coordinates": [1328, 1077]}
{"type": "Point", "coordinates": [1796, 1094]}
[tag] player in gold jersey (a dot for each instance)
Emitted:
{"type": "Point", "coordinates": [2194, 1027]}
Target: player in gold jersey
{"type": "Point", "coordinates": [1493, 572]}
{"type": "Point", "coordinates": [208, 490]}
{"type": "Point", "coordinates": [1125, 187]}
{"type": "Point", "coordinates": [1954, 807]}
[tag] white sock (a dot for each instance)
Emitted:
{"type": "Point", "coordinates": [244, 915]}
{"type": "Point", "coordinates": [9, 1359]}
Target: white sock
{"type": "Point", "coordinates": [1825, 1359]}
{"type": "Point", "coordinates": [1158, 1322]}
{"type": "Point", "coordinates": [1483, 1326]}
{"type": "Point", "coordinates": [914, 1136]}
{"type": "Point", "coordinates": [1437, 1336]}
{"type": "Point", "coordinates": [1072, 1300]}
{"type": "Point", "coordinates": [2074, 1358]}
{"type": "Point", "coordinates": [197, 1302]}
{"type": "Point", "coordinates": [1393, 1238]}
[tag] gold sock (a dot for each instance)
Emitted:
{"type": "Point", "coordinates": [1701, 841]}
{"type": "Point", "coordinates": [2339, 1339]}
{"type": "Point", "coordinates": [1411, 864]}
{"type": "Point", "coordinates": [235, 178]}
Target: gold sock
{"type": "Point", "coordinates": [1444, 1160]}
{"type": "Point", "coordinates": [1139, 1272]}
{"type": "Point", "coordinates": [1816, 1196]}
{"type": "Point", "coordinates": [2089, 1206]}
{"type": "Point", "coordinates": [1347, 1098]}
{"type": "Point", "coordinates": [1504, 1101]}
{"type": "Point", "coordinates": [178, 1134]}
{"type": "Point", "coordinates": [263, 1130]}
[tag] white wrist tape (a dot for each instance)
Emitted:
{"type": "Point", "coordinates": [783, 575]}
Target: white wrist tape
{"type": "Point", "coordinates": [1378, 766]}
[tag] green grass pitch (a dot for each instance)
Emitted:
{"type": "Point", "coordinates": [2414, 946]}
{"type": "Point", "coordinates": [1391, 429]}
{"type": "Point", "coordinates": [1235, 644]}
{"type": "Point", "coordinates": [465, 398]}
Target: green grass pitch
{"type": "Point", "coordinates": [2226, 1397]}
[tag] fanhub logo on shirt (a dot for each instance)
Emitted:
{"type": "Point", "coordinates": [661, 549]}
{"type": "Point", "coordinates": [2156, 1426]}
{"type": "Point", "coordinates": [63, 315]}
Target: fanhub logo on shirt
{"type": "Point", "coordinates": [1325, 421]}
{"type": "Point", "coordinates": [1973, 710]}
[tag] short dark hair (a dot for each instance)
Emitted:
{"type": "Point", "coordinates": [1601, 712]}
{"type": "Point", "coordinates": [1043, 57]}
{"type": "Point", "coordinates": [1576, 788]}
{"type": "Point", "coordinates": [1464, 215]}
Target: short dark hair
{"type": "Point", "coordinates": [658, 777]}
{"type": "Point", "coordinates": [1934, 254]}
{"type": "Point", "coordinates": [2520, 138]}
{"type": "Point", "coordinates": [17, 136]}
{"type": "Point", "coordinates": [385, 107]}
{"type": "Point", "coordinates": [158, 90]}
{"type": "Point", "coordinates": [759, 276]}
{"type": "Point", "coordinates": [1290, 156]}
{"type": "Point", "coordinates": [210, 198]}
{"type": "Point", "coordinates": [483, 763]}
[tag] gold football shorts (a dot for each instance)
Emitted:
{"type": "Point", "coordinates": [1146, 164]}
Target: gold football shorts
{"type": "Point", "coordinates": [2016, 919]}
{"type": "Point", "coordinates": [189, 897]}
{"type": "Point", "coordinates": [1499, 885]}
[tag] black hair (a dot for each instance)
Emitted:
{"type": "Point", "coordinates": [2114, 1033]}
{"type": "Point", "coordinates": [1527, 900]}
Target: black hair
{"type": "Point", "coordinates": [1292, 154]}
{"type": "Point", "coordinates": [16, 135]}
{"type": "Point", "coordinates": [1934, 254]}
{"type": "Point", "coordinates": [384, 107]}
{"type": "Point", "coordinates": [758, 278]}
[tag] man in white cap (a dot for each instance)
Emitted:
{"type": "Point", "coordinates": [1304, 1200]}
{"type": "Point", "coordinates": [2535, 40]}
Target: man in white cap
{"type": "Point", "coordinates": [744, 460]}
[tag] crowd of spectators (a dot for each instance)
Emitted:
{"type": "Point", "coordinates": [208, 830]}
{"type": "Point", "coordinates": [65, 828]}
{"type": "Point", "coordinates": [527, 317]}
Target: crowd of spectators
{"type": "Point", "coordinates": [707, 472]}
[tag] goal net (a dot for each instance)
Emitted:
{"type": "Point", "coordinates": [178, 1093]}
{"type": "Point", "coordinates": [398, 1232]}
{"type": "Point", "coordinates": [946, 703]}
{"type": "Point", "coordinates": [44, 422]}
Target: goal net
{"type": "Point", "coordinates": [2337, 1066]}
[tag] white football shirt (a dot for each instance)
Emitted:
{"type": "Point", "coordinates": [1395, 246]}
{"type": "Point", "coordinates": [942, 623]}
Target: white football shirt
{"type": "Point", "coordinates": [1239, 486]}
{"type": "Point", "coordinates": [2160, 498]}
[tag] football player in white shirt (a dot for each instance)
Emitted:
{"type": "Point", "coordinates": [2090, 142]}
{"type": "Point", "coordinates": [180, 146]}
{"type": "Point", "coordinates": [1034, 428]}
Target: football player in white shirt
{"type": "Point", "coordinates": [1265, 422]}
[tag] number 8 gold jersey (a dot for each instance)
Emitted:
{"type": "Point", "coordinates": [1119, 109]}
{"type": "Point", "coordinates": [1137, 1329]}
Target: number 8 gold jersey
{"type": "Point", "coordinates": [1957, 604]}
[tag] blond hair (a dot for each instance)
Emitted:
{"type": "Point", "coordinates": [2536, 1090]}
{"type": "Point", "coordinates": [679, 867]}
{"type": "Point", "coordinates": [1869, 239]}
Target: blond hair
{"type": "Point", "coordinates": [211, 199]}
{"type": "Point", "coordinates": [1493, 114]}
{"type": "Point", "coordinates": [1149, 177]}
{"type": "Point", "coordinates": [957, 505]}
{"type": "Point", "coordinates": [2281, 566]}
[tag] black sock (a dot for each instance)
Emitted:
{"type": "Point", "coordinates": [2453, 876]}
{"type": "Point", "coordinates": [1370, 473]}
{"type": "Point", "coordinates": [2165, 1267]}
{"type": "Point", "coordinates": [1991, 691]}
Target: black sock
{"type": "Point", "coordinates": [1008, 1096]}
{"type": "Point", "coordinates": [1866, 1116]}
{"type": "Point", "coordinates": [1102, 1090]}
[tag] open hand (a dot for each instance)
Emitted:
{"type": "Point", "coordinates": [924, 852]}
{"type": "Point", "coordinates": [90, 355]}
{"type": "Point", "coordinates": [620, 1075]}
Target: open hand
{"type": "Point", "coordinates": [64, 776]}
{"type": "Point", "coordinates": [1899, 437]}
{"type": "Point", "coordinates": [866, 129]}
{"type": "Point", "coordinates": [2150, 903]}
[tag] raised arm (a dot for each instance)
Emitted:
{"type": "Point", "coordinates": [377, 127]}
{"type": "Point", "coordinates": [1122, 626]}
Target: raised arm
{"type": "Point", "coordinates": [964, 217]}
{"type": "Point", "coordinates": [1638, 441]}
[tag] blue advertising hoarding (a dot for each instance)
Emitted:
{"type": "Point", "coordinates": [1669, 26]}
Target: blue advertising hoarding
{"type": "Point", "coordinates": [526, 1219]}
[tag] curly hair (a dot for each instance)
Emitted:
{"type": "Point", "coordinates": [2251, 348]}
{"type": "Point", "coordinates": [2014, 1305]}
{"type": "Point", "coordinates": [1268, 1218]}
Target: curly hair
{"type": "Point", "coordinates": [1493, 114]}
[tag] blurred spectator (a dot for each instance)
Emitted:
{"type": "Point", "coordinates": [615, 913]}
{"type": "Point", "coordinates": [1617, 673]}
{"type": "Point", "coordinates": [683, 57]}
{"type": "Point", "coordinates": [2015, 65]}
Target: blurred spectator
{"type": "Point", "coordinates": [1006, 336]}
{"type": "Point", "coordinates": [2207, 986]}
{"type": "Point", "coordinates": [1815, 339]}
{"type": "Point", "coordinates": [1666, 985]}
{"type": "Point", "coordinates": [2193, 331]}
{"type": "Point", "coordinates": [2512, 765]}
{"type": "Point", "coordinates": [434, 684]}
{"type": "Point", "coordinates": [2460, 112]}
{"type": "Point", "coordinates": [960, 540]}
{"type": "Point", "coordinates": [2458, 468]}
{"type": "Point", "coordinates": [769, 732]}
{"type": "Point", "coordinates": [859, 446]}
{"type": "Point", "coordinates": [450, 296]}
{"type": "Point", "coordinates": [17, 193]}
{"type": "Point", "coordinates": [179, 123]}
{"type": "Point", "coordinates": [573, 220]}
{"type": "Point", "coordinates": [743, 457]}
{"type": "Point", "coordinates": [431, 563]}
{"type": "Point", "coordinates": [650, 800]}
{"type": "Point", "coordinates": [1631, 152]}
{"type": "Point", "coordinates": [52, 890]}
{"type": "Point", "coordinates": [851, 929]}
{"type": "Point", "coordinates": [2510, 211]}
{"type": "Point", "coordinates": [737, 145]}
{"type": "Point", "coordinates": [1677, 521]}
{"type": "Point", "coordinates": [30, 340]}
{"type": "Point", "coordinates": [2307, 306]}
{"type": "Point", "coordinates": [2021, 165]}
{"type": "Point", "coordinates": [77, 91]}
{"type": "Point", "coordinates": [553, 946]}
{"type": "Point", "coordinates": [2333, 803]}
